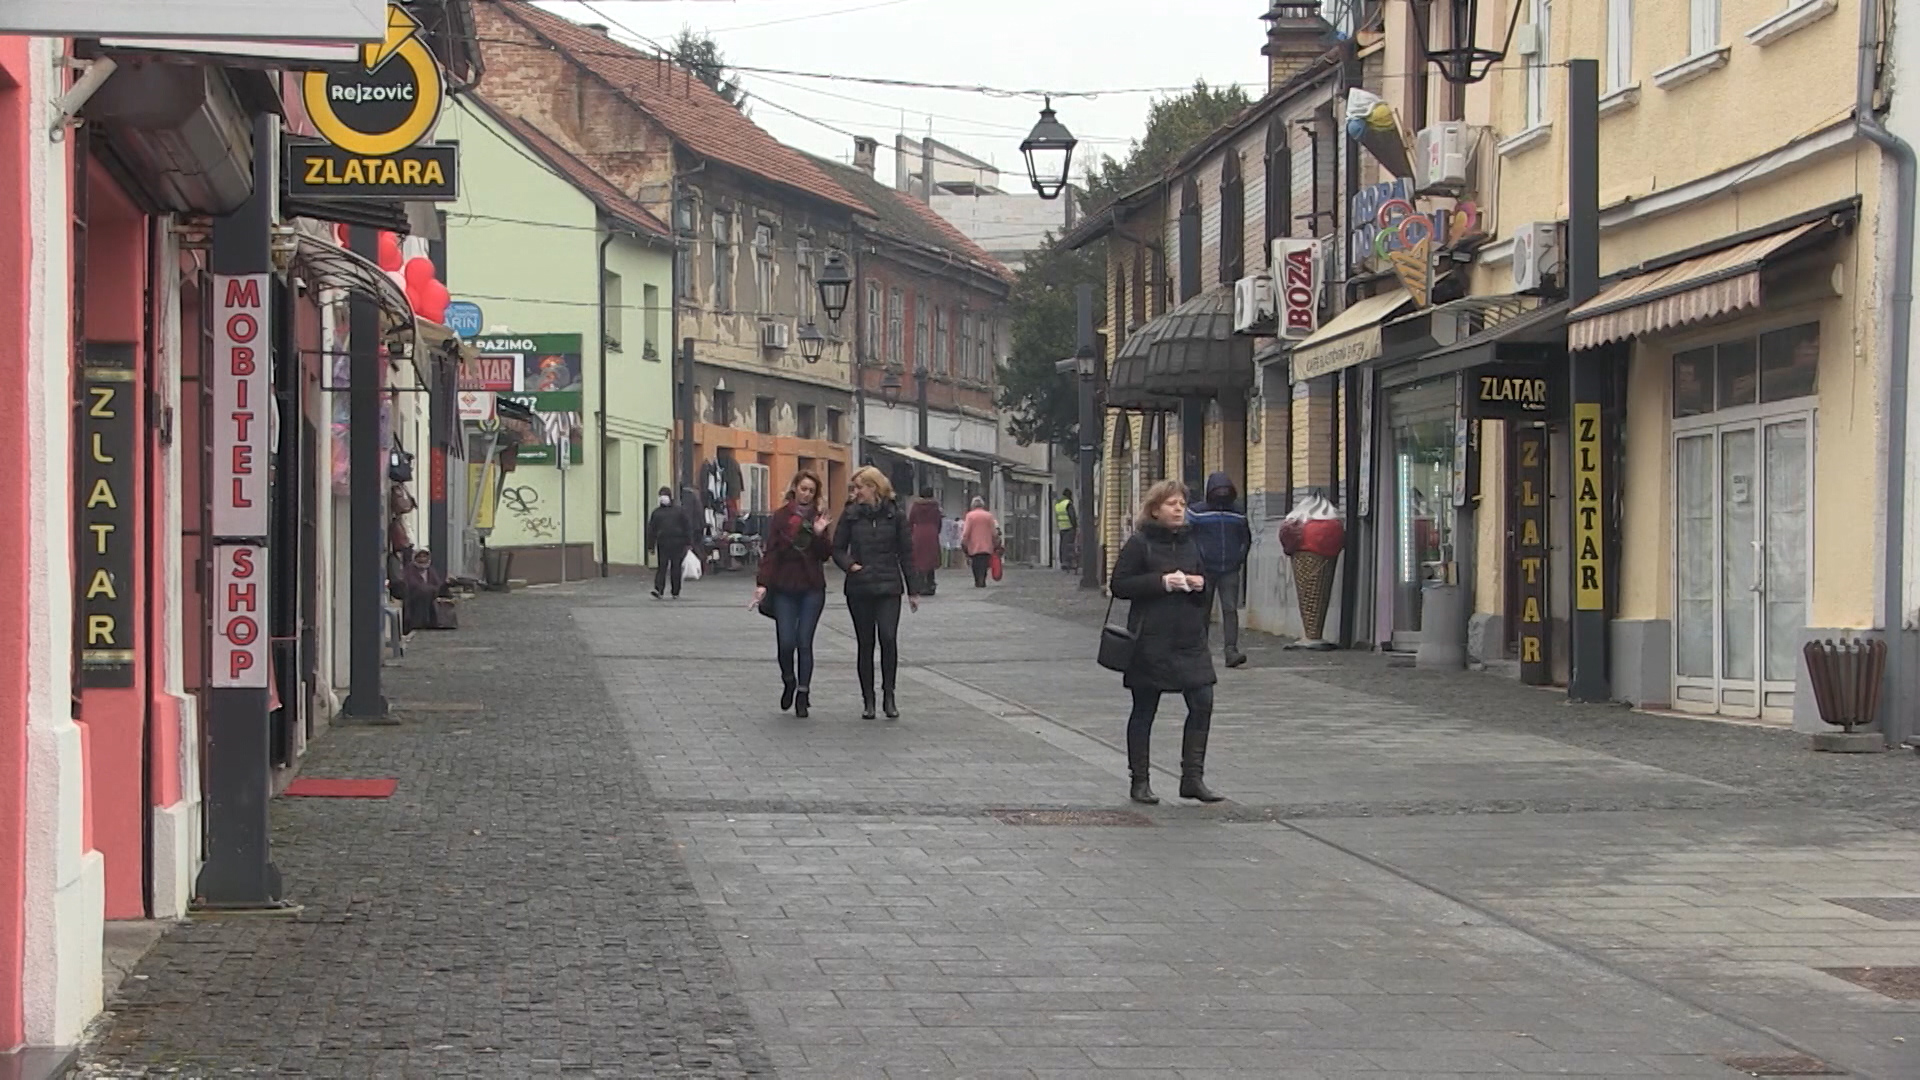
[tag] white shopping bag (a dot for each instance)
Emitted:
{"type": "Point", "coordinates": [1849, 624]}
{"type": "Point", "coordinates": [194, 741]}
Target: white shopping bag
{"type": "Point", "coordinates": [690, 567]}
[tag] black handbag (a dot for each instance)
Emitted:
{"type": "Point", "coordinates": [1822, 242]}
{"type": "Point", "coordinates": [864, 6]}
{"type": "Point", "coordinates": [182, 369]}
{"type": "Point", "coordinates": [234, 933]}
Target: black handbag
{"type": "Point", "coordinates": [1116, 643]}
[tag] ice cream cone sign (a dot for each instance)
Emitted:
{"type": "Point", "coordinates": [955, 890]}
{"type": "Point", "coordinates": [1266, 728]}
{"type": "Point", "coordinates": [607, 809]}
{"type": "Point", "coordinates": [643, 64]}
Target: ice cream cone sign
{"type": "Point", "coordinates": [1312, 536]}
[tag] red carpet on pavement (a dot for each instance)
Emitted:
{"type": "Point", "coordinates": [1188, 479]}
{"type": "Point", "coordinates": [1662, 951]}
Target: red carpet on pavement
{"type": "Point", "coordinates": [320, 787]}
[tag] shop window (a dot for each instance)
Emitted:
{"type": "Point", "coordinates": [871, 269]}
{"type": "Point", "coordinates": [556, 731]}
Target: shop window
{"type": "Point", "coordinates": [1790, 363]}
{"type": "Point", "coordinates": [1776, 366]}
{"type": "Point", "coordinates": [763, 415]}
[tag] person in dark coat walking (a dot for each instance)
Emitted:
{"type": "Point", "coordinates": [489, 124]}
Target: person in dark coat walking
{"type": "Point", "coordinates": [1225, 541]}
{"type": "Point", "coordinates": [669, 534]}
{"type": "Point", "coordinates": [924, 520]}
{"type": "Point", "coordinates": [874, 546]}
{"type": "Point", "coordinates": [792, 586]}
{"type": "Point", "coordinates": [1160, 574]}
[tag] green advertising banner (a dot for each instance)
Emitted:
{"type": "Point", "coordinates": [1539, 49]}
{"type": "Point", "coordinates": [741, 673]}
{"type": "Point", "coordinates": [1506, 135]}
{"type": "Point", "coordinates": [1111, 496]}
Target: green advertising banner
{"type": "Point", "coordinates": [541, 372]}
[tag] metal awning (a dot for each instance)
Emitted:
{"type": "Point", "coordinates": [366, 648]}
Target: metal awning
{"type": "Point", "coordinates": [1194, 351]}
{"type": "Point", "coordinates": [1703, 287]}
{"type": "Point", "coordinates": [1127, 381]}
{"type": "Point", "coordinates": [958, 472]}
{"type": "Point", "coordinates": [326, 265]}
{"type": "Point", "coordinates": [1495, 329]}
{"type": "Point", "coordinates": [1349, 338]}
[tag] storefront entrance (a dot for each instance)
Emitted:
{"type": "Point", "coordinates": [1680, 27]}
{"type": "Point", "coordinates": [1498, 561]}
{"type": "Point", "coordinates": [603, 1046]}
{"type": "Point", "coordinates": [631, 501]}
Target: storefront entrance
{"type": "Point", "coordinates": [1422, 422]}
{"type": "Point", "coordinates": [1743, 484]}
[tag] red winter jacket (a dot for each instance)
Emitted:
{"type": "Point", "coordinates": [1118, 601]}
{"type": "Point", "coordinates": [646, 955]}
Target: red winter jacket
{"type": "Point", "coordinates": [793, 562]}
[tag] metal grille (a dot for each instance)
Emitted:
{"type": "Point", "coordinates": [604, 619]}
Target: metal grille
{"type": "Point", "coordinates": [1782, 1065]}
{"type": "Point", "coordinates": [1900, 983]}
{"type": "Point", "coordinates": [1104, 818]}
{"type": "Point", "coordinates": [1884, 908]}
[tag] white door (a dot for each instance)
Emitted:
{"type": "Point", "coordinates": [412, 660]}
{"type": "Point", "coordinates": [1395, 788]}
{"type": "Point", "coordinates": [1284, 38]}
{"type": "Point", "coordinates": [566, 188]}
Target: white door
{"type": "Point", "coordinates": [1743, 533]}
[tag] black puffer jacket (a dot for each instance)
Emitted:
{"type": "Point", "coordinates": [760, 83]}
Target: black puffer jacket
{"type": "Point", "coordinates": [1171, 628]}
{"type": "Point", "coordinates": [667, 529]}
{"type": "Point", "coordinates": [877, 540]}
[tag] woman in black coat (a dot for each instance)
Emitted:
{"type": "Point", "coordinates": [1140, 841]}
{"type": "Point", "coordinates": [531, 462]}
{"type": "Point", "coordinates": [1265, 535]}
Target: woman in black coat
{"type": "Point", "coordinates": [874, 546]}
{"type": "Point", "coordinates": [1159, 574]}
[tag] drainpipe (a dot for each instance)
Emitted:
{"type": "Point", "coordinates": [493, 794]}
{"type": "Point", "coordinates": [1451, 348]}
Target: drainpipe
{"type": "Point", "coordinates": [1901, 206]}
{"type": "Point", "coordinates": [600, 452]}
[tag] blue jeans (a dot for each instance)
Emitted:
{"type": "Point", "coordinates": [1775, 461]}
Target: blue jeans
{"type": "Point", "coordinates": [796, 615]}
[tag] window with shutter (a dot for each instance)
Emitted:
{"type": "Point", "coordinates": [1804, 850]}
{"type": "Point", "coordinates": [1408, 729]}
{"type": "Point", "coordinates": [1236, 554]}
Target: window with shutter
{"type": "Point", "coordinates": [1233, 220]}
{"type": "Point", "coordinates": [1189, 240]}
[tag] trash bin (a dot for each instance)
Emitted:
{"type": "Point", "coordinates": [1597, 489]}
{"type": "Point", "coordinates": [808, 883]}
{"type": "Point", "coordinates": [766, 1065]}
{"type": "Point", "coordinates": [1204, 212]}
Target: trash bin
{"type": "Point", "coordinates": [498, 568]}
{"type": "Point", "coordinates": [1846, 678]}
{"type": "Point", "coordinates": [1443, 628]}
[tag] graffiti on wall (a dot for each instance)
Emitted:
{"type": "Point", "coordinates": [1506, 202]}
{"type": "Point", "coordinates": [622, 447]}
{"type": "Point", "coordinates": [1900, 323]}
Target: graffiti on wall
{"type": "Point", "coordinates": [523, 503]}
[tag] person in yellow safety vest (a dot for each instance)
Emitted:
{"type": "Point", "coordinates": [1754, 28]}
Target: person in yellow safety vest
{"type": "Point", "coordinates": [1067, 523]}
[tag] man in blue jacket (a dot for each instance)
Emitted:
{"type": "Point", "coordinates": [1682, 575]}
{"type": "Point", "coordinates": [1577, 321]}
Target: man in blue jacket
{"type": "Point", "coordinates": [1225, 540]}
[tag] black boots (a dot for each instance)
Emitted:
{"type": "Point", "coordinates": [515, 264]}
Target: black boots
{"type": "Point", "coordinates": [787, 692]}
{"type": "Point", "coordinates": [866, 703]}
{"type": "Point", "coordinates": [889, 706]}
{"type": "Point", "coordinates": [1193, 765]}
{"type": "Point", "coordinates": [1236, 658]}
{"type": "Point", "coordinates": [801, 701]}
{"type": "Point", "coordinates": [1138, 769]}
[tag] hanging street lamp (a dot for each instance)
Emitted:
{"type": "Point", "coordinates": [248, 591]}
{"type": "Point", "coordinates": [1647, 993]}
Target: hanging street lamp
{"type": "Point", "coordinates": [1463, 60]}
{"type": "Point", "coordinates": [835, 286]}
{"type": "Point", "coordinates": [1049, 153]}
{"type": "Point", "coordinates": [890, 387]}
{"type": "Point", "coordinates": [812, 343]}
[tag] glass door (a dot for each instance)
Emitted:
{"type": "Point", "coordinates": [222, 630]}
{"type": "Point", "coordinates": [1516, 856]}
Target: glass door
{"type": "Point", "coordinates": [1741, 573]}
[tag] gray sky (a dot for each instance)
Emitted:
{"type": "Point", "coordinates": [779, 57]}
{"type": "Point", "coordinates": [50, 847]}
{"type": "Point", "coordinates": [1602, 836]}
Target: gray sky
{"type": "Point", "coordinates": [1014, 44]}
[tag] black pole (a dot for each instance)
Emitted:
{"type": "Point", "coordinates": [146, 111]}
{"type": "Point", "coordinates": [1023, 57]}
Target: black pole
{"type": "Point", "coordinates": [239, 872]}
{"type": "Point", "coordinates": [687, 402]}
{"type": "Point", "coordinates": [440, 421]}
{"type": "Point", "coordinates": [1090, 431]}
{"type": "Point", "coordinates": [1351, 548]}
{"type": "Point", "coordinates": [366, 478]}
{"type": "Point", "coordinates": [920, 468]}
{"type": "Point", "coordinates": [1591, 390]}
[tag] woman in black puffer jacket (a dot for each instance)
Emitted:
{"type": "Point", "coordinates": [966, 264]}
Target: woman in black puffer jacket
{"type": "Point", "coordinates": [1160, 574]}
{"type": "Point", "coordinates": [874, 546]}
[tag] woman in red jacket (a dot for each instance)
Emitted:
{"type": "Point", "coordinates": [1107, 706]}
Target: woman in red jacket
{"type": "Point", "coordinates": [792, 585]}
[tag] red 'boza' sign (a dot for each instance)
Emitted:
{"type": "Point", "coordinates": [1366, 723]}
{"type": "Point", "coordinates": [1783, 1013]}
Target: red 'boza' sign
{"type": "Point", "coordinates": [242, 403]}
{"type": "Point", "coordinates": [239, 616]}
{"type": "Point", "coordinates": [1296, 281]}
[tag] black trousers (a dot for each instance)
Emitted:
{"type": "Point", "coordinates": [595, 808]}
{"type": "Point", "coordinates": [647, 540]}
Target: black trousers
{"type": "Point", "coordinates": [673, 564]}
{"type": "Point", "coordinates": [981, 564]}
{"type": "Point", "coordinates": [1146, 704]}
{"type": "Point", "coordinates": [876, 621]}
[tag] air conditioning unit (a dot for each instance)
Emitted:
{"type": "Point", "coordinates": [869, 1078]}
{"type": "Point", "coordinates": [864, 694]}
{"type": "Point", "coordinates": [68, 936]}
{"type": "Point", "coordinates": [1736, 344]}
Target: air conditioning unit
{"type": "Point", "coordinates": [1536, 256]}
{"type": "Point", "coordinates": [1253, 311]}
{"type": "Point", "coordinates": [776, 335]}
{"type": "Point", "coordinates": [1442, 155]}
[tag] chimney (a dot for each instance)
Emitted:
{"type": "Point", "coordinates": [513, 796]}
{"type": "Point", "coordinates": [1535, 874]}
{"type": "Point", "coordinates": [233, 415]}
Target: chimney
{"type": "Point", "coordinates": [1296, 37]}
{"type": "Point", "coordinates": [599, 28]}
{"type": "Point", "coordinates": [864, 151]}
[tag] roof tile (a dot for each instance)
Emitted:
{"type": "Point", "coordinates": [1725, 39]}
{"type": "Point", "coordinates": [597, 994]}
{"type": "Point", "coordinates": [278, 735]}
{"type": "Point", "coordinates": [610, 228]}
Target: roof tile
{"type": "Point", "coordinates": [576, 172]}
{"type": "Point", "coordinates": [701, 120]}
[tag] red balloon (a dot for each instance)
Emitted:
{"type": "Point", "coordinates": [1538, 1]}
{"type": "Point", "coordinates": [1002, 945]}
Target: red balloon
{"type": "Point", "coordinates": [432, 305]}
{"type": "Point", "coordinates": [389, 251]}
{"type": "Point", "coordinates": [417, 271]}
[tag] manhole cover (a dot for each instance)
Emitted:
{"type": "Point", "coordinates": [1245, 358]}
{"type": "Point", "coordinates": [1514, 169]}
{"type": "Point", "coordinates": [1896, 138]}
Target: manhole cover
{"type": "Point", "coordinates": [1782, 1065]}
{"type": "Point", "coordinates": [1123, 818]}
{"type": "Point", "coordinates": [1902, 983]}
{"type": "Point", "coordinates": [1885, 908]}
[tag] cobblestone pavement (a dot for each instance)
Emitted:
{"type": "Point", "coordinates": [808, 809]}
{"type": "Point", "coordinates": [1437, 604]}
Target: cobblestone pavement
{"type": "Point", "coordinates": [626, 861]}
{"type": "Point", "coordinates": [1772, 763]}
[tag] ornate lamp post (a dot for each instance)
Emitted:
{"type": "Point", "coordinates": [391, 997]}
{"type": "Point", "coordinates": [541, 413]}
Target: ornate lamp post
{"type": "Point", "coordinates": [835, 286]}
{"type": "Point", "coordinates": [1049, 153]}
{"type": "Point", "coordinates": [812, 343]}
{"type": "Point", "coordinates": [1463, 60]}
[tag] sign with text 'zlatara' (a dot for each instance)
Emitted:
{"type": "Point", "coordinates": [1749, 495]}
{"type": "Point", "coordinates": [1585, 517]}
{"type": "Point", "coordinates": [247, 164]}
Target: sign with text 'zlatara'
{"type": "Point", "coordinates": [242, 403]}
{"type": "Point", "coordinates": [1296, 286]}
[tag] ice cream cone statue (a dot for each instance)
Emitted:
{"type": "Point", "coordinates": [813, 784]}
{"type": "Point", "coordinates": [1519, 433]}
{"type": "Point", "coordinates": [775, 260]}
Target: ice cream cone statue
{"type": "Point", "coordinates": [1312, 536]}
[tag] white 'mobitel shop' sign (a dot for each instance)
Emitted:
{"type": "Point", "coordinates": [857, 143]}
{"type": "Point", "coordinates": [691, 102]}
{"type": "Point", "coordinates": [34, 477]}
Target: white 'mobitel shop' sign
{"type": "Point", "coordinates": [239, 616]}
{"type": "Point", "coordinates": [242, 400]}
{"type": "Point", "coordinates": [1296, 286]}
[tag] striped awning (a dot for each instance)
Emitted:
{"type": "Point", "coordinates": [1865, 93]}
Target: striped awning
{"type": "Point", "coordinates": [1695, 290]}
